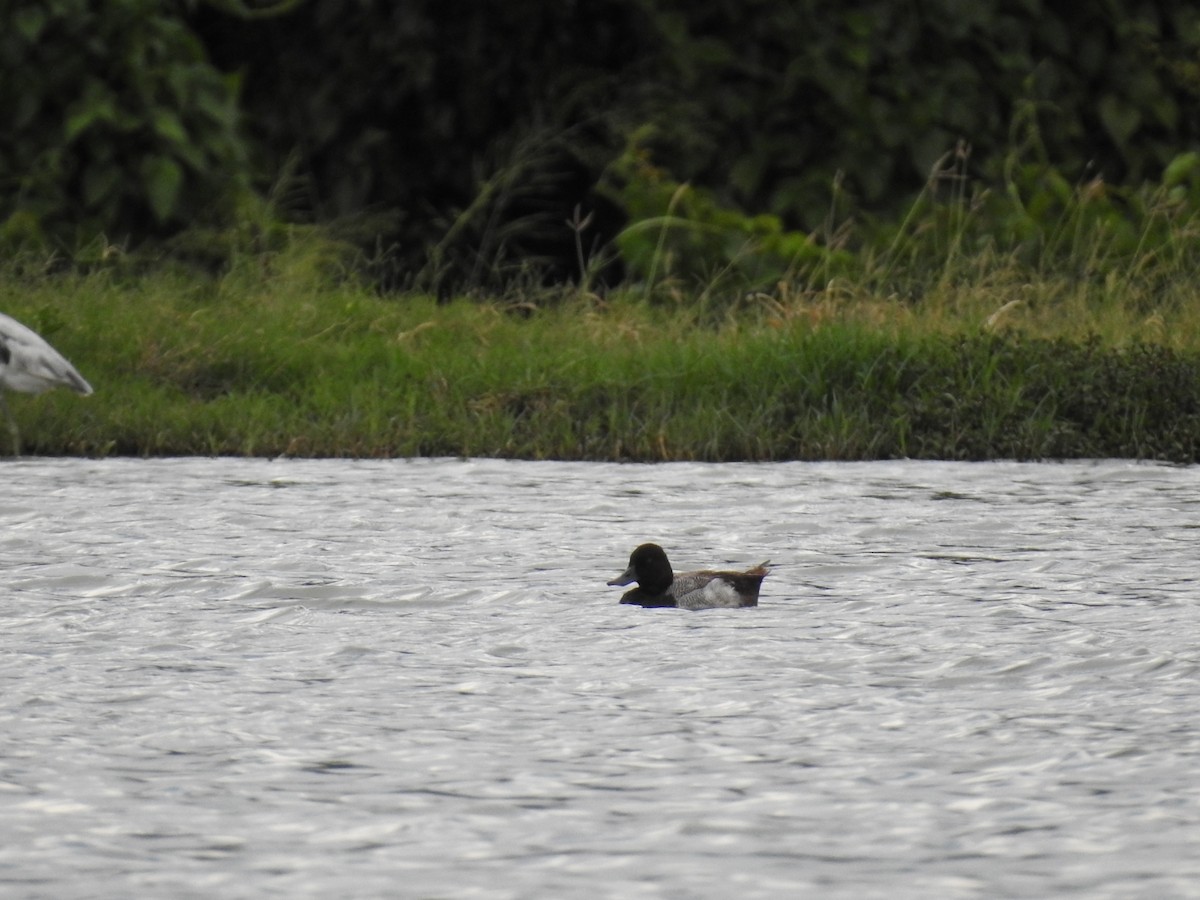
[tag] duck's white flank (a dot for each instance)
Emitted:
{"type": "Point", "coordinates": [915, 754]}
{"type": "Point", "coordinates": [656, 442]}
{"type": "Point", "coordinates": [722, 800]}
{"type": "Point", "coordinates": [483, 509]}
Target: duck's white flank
{"type": "Point", "coordinates": [717, 593]}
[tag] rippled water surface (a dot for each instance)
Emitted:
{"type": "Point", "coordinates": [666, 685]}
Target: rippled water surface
{"type": "Point", "coordinates": [232, 678]}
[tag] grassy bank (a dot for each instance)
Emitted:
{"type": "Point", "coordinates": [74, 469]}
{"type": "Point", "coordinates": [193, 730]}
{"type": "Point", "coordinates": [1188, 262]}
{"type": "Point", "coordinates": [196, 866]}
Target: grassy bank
{"type": "Point", "coordinates": [273, 359]}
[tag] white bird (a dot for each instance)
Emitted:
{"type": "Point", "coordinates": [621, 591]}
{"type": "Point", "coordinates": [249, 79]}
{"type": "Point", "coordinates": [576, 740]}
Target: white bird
{"type": "Point", "coordinates": [29, 365]}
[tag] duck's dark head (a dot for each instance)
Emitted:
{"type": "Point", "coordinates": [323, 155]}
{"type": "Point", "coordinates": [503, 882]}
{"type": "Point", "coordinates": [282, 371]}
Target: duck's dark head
{"type": "Point", "coordinates": [649, 567]}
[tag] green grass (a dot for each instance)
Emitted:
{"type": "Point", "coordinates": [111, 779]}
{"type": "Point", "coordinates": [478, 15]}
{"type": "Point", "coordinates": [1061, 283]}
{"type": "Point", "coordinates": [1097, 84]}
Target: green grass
{"type": "Point", "coordinates": [278, 367]}
{"type": "Point", "coordinates": [1082, 339]}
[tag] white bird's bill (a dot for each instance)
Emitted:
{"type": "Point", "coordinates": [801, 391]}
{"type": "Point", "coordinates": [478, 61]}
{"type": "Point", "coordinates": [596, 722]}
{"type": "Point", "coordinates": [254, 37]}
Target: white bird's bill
{"type": "Point", "coordinates": [29, 365]}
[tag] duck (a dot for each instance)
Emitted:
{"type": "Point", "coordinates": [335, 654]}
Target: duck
{"type": "Point", "coordinates": [659, 586]}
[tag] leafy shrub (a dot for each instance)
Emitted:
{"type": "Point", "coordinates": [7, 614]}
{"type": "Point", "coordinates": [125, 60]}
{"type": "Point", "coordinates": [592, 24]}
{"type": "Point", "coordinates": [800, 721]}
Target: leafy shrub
{"type": "Point", "coordinates": [111, 122]}
{"type": "Point", "coordinates": [460, 137]}
{"type": "Point", "coordinates": [683, 234]}
{"type": "Point", "coordinates": [452, 143]}
{"type": "Point", "coordinates": [772, 98]}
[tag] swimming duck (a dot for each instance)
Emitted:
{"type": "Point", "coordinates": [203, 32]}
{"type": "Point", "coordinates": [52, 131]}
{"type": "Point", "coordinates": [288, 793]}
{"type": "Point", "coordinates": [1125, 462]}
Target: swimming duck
{"type": "Point", "coordinates": [659, 586]}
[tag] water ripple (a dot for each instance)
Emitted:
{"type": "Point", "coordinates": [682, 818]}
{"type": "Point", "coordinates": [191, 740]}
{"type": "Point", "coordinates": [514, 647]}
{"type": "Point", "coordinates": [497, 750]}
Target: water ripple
{"type": "Point", "coordinates": [250, 678]}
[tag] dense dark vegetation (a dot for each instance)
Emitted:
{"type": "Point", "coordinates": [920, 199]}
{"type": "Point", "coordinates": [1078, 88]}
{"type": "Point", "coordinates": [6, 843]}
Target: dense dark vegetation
{"type": "Point", "coordinates": [451, 144]}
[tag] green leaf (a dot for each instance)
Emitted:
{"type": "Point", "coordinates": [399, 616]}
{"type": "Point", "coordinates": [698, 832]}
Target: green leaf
{"type": "Point", "coordinates": [28, 106]}
{"type": "Point", "coordinates": [217, 107]}
{"type": "Point", "coordinates": [100, 181]}
{"type": "Point", "coordinates": [167, 125]}
{"type": "Point", "coordinates": [1182, 168]}
{"type": "Point", "coordinates": [1120, 119]}
{"type": "Point", "coordinates": [96, 105]}
{"type": "Point", "coordinates": [30, 21]}
{"type": "Point", "coordinates": [163, 179]}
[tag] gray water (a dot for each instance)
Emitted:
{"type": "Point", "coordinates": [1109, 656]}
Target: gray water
{"type": "Point", "coordinates": [241, 678]}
